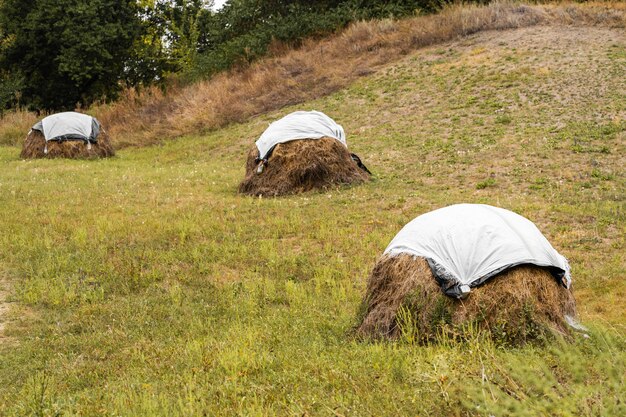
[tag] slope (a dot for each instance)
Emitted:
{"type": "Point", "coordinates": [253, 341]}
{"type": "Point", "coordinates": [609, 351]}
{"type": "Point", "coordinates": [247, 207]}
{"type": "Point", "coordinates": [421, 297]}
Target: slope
{"type": "Point", "coordinates": [317, 68]}
{"type": "Point", "coordinates": [168, 294]}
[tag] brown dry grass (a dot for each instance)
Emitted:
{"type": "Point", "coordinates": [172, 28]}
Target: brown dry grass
{"type": "Point", "coordinates": [35, 143]}
{"type": "Point", "coordinates": [520, 305]}
{"type": "Point", "coordinates": [13, 124]}
{"type": "Point", "coordinates": [301, 165]}
{"type": "Point", "coordinates": [316, 69]}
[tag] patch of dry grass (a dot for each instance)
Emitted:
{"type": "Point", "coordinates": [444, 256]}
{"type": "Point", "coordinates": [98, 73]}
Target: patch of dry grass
{"type": "Point", "coordinates": [15, 125]}
{"type": "Point", "coordinates": [316, 69]}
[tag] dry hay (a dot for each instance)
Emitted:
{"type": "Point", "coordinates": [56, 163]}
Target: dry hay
{"type": "Point", "coordinates": [301, 165]}
{"type": "Point", "coordinates": [35, 143]}
{"type": "Point", "coordinates": [517, 306]}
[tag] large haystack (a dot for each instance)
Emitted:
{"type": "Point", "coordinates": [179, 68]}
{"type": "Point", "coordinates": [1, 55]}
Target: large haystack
{"type": "Point", "coordinates": [35, 147]}
{"type": "Point", "coordinates": [522, 304]}
{"type": "Point", "coordinates": [301, 165]}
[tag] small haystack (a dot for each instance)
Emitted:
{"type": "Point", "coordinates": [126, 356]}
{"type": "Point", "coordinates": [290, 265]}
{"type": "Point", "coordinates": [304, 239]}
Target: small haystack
{"type": "Point", "coordinates": [67, 135]}
{"type": "Point", "coordinates": [301, 165]}
{"type": "Point", "coordinates": [301, 152]}
{"type": "Point", "coordinates": [469, 268]}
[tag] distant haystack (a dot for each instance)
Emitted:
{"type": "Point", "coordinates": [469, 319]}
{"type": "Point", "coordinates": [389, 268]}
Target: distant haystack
{"type": "Point", "coordinates": [67, 135]}
{"type": "Point", "coordinates": [469, 267]}
{"type": "Point", "coordinates": [301, 152]}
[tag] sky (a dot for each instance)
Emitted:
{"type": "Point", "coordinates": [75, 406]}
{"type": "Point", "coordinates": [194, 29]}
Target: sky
{"type": "Point", "coordinates": [218, 4]}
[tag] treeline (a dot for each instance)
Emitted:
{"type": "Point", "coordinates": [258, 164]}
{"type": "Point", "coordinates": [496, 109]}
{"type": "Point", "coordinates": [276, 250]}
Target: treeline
{"type": "Point", "coordinates": [60, 54]}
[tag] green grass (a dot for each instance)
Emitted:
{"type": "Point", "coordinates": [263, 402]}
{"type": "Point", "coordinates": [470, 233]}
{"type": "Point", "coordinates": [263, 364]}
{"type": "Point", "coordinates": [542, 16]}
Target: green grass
{"type": "Point", "coordinates": [144, 285]}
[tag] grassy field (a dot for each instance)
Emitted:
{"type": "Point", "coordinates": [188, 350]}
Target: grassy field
{"type": "Point", "coordinates": [143, 285]}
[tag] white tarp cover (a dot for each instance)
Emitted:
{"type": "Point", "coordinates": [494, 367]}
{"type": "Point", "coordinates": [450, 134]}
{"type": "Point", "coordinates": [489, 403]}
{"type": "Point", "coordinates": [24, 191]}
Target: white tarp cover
{"type": "Point", "coordinates": [466, 244]}
{"type": "Point", "coordinates": [299, 125]}
{"type": "Point", "coordinates": [67, 125]}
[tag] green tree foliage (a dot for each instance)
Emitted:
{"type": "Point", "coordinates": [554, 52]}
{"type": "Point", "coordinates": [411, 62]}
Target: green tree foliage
{"type": "Point", "coordinates": [67, 51]}
{"type": "Point", "coordinates": [55, 54]}
{"type": "Point", "coordinates": [186, 21]}
{"type": "Point", "coordinates": [243, 29]}
{"type": "Point", "coordinates": [168, 44]}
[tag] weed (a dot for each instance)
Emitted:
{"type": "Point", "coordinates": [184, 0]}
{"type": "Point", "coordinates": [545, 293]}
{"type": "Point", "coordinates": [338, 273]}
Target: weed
{"type": "Point", "coordinates": [489, 182]}
{"type": "Point", "coordinates": [604, 176]}
{"type": "Point", "coordinates": [504, 119]}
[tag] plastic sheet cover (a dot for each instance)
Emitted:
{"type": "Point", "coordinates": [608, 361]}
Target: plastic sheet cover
{"type": "Point", "coordinates": [466, 244]}
{"type": "Point", "coordinates": [68, 125]}
{"type": "Point", "coordinates": [299, 125]}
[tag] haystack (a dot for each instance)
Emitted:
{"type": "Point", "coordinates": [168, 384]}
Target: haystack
{"type": "Point", "coordinates": [466, 271]}
{"type": "Point", "coordinates": [67, 135]}
{"type": "Point", "coordinates": [301, 152]}
{"type": "Point", "coordinates": [519, 305]}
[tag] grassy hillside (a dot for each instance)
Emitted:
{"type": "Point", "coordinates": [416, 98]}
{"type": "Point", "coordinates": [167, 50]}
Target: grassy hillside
{"type": "Point", "coordinates": [143, 285]}
{"type": "Point", "coordinates": [317, 68]}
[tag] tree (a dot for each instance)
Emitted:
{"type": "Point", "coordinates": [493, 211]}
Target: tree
{"type": "Point", "coordinates": [243, 30]}
{"type": "Point", "coordinates": [68, 51]}
{"type": "Point", "coordinates": [183, 22]}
